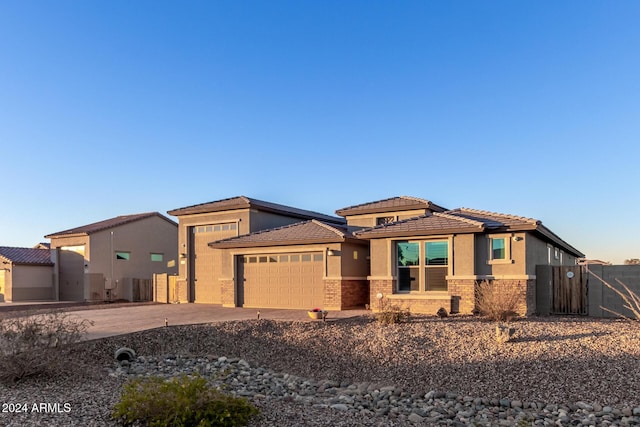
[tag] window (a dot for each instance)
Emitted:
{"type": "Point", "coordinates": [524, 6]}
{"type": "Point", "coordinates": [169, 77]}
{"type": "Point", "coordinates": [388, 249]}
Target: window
{"type": "Point", "coordinates": [500, 249]}
{"type": "Point", "coordinates": [157, 257]}
{"type": "Point", "coordinates": [123, 255]}
{"type": "Point", "coordinates": [408, 266]}
{"type": "Point", "coordinates": [423, 266]}
{"type": "Point", "coordinates": [295, 258]}
{"type": "Point", "coordinates": [556, 253]}
{"type": "Point", "coordinates": [262, 259]}
{"type": "Point", "coordinates": [273, 259]}
{"type": "Point", "coordinates": [385, 220]}
{"type": "Point", "coordinates": [284, 258]}
{"type": "Point", "coordinates": [306, 257]}
{"type": "Point", "coordinates": [317, 257]}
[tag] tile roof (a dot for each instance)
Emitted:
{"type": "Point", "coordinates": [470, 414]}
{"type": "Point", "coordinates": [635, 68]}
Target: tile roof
{"type": "Point", "coordinates": [243, 202]}
{"type": "Point", "coordinates": [391, 204]}
{"type": "Point", "coordinates": [306, 232]}
{"type": "Point", "coordinates": [504, 220]}
{"type": "Point", "coordinates": [108, 223]}
{"type": "Point", "coordinates": [436, 223]}
{"type": "Point", "coordinates": [465, 220]}
{"type": "Point", "coordinates": [26, 255]}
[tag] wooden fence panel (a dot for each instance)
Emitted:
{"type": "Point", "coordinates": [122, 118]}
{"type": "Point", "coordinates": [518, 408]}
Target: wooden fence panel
{"type": "Point", "coordinates": [569, 290]}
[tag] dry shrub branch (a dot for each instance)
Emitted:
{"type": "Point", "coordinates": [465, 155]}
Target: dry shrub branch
{"type": "Point", "coordinates": [29, 344]}
{"type": "Point", "coordinates": [498, 301]}
{"type": "Point", "coordinates": [631, 299]}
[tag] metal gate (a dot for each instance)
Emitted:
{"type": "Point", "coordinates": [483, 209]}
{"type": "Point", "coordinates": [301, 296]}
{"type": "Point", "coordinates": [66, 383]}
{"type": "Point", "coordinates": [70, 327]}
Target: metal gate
{"type": "Point", "coordinates": [569, 290]}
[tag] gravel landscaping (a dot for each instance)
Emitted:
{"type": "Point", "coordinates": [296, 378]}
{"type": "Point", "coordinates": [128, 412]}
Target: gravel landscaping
{"type": "Point", "coordinates": [353, 372]}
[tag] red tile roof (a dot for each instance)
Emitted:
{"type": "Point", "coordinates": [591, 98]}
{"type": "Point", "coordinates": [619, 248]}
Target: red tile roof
{"type": "Point", "coordinates": [306, 232]}
{"type": "Point", "coordinates": [243, 202]}
{"type": "Point", "coordinates": [391, 204]}
{"type": "Point", "coordinates": [26, 255]}
{"type": "Point", "coordinates": [108, 223]}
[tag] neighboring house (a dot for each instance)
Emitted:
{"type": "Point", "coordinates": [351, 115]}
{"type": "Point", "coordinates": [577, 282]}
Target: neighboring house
{"type": "Point", "coordinates": [249, 253]}
{"type": "Point", "coordinates": [115, 258]}
{"type": "Point", "coordinates": [200, 270]}
{"type": "Point", "coordinates": [26, 274]}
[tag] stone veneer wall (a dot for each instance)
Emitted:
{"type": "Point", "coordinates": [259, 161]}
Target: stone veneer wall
{"type": "Point", "coordinates": [228, 293]}
{"type": "Point", "coordinates": [462, 296]}
{"type": "Point", "coordinates": [527, 294]}
{"type": "Point", "coordinates": [182, 286]}
{"type": "Point", "coordinates": [344, 294]}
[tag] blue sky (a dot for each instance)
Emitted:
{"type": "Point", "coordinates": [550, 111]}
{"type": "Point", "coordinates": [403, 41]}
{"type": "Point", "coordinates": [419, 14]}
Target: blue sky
{"type": "Point", "coordinates": [118, 107]}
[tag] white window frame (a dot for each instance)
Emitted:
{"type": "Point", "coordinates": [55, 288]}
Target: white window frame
{"type": "Point", "coordinates": [507, 249]}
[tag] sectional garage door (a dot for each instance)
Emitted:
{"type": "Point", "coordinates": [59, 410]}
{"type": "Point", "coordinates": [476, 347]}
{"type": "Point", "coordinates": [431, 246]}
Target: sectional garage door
{"type": "Point", "coordinates": [281, 280]}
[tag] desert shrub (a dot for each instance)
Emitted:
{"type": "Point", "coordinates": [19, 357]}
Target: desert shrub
{"type": "Point", "coordinates": [180, 402]}
{"type": "Point", "coordinates": [29, 345]}
{"type": "Point", "coordinates": [389, 313]}
{"type": "Point", "coordinates": [498, 301]}
{"type": "Point", "coordinates": [630, 299]}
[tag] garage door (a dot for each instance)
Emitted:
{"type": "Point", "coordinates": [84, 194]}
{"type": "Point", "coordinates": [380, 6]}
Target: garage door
{"type": "Point", "coordinates": [281, 280]}
{"type": "Point", "coordinates": [207, 271]}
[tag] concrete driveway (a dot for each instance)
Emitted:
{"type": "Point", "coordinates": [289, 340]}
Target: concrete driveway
{"type": "Point", "coordinates": [123, 320]}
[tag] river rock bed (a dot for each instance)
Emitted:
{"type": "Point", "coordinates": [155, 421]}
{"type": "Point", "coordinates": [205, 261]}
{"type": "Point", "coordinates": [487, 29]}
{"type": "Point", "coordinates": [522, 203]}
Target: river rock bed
{"type": "Point", "coordinates": [556, 371]}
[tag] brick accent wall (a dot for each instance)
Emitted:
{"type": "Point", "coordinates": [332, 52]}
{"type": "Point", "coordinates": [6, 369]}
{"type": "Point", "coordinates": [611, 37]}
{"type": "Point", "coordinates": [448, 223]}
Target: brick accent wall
{"type": "Point", "coordinates": [182, 287]}
{"type": "Point", "coordinates": [384, 287]}
{"type": "Point", "coordinates": [332, 295]}
{"type": "Point", "coordinates": [228, 293]}
{"type": "Point", "coordinates": [345, 294]}
{"type": "Point", "coordinates": [463, 295]}
{"type": "Point", "coordinates": [527, 294]}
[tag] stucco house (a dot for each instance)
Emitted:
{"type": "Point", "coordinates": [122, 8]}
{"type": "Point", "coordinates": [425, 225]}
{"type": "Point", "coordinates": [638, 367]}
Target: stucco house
{"type": "Point", "coordinates": [406, 249]}
{"type": "Point", "coordinates": [115, 258]}
{"type": "Point", "coordinates": [26, 274]}
{"type": "Point", "coordinates": [437, 259]}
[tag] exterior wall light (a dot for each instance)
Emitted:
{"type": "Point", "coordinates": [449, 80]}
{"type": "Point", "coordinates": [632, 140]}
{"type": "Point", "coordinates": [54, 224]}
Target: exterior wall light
{"type": "Point", "coordinates": [331, 252]}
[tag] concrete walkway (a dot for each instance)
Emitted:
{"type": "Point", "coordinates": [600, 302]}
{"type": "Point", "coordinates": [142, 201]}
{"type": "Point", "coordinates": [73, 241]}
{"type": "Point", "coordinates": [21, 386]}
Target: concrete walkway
{"type": "Point", "coordinates": [123, 320]}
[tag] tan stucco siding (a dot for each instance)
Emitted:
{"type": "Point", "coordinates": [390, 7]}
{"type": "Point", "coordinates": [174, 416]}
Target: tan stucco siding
{"type": "Point", "coordinates": [516, 262]}
{"type": "Point", "coordinates": [141, 239]}
{"type": "Point", "coordinates": [381, 256]}
{"type": "Point", "coordinates": [540, 252]}
{"type": "Point", "coordinates": [369, 220]}
{"type": "Point", "coordinates": [463, 252]}
{"type": "Point", "coordinates": [239, 216]}
{"type": "Point", "coordinates": [354, 260]}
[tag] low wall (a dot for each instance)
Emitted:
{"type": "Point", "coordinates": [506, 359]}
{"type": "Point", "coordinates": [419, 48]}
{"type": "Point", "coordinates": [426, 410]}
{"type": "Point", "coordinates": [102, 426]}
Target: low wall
{"type": "Point", "coordinates": [600, 295]}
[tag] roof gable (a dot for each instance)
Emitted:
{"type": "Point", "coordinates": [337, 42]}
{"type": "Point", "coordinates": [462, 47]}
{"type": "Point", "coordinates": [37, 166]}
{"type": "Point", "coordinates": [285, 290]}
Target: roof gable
{"type": "Point", "coordinates": [306, 232]}
{"type": "Point", "coordinates": [389, 205]}
{"type": "Point", "coordinates": [243, 202]}
{"type": "Point", "coordinates": [26, 255]}
{"type": "Point", "coordinates": [108, 223]}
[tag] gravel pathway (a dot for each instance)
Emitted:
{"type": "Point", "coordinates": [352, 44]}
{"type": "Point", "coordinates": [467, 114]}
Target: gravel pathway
{"type": "Point", "coordinates": [353, 372]}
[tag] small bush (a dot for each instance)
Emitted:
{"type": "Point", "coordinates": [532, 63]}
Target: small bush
{"type": "Point", "coordinates": [29, 344]}
{"type": "Point", "coordinates": [180, 402]}
{"type": "Point", "coordinates": [498, 301]}
{"type": "Point", "coordinates": [389, 313]}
